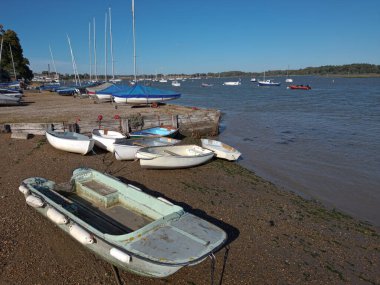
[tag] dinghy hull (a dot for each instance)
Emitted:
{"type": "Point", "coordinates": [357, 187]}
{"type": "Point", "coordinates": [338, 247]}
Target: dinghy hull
{"type": "Point", "coordinates": [126, 227]}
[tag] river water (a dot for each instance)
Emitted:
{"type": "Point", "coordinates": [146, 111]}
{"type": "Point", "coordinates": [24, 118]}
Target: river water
{"type": "Point", "coordinates": [322, 143]}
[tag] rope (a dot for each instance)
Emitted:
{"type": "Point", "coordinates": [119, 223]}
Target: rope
{"type": "Point", "coordinates": [212, 257]}
{"type": "Point", "coordinates": [116, 274]}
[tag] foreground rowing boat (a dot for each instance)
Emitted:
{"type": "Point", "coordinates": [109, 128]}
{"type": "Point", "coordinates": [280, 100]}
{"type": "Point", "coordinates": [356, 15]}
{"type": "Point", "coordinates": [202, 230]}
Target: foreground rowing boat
{"type": "Point", "coordinates": [126, 227]}
{"type": "Point", "coordinates": [70, 141]}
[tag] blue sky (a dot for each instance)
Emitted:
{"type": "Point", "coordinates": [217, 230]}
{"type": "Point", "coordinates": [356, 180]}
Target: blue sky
{"type": "Point", "coordinates": [190, 36]}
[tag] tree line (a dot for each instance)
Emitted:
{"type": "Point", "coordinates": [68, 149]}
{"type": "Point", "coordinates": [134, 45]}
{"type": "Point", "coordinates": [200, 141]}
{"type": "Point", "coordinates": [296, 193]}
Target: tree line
{"type": "Point", "coordinates": [11, 47]}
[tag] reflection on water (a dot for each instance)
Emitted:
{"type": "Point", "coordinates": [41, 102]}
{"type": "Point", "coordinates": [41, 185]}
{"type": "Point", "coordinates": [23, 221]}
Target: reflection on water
{"type": "Point", "coordinates": [322, 143]}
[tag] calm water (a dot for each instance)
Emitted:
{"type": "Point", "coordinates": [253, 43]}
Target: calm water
{"type": "Point", "coordinates": [323, 143]}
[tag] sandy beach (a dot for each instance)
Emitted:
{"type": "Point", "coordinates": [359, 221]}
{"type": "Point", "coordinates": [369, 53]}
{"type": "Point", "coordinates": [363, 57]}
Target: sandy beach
{"type": "Point", "coordinates": [275, 237]}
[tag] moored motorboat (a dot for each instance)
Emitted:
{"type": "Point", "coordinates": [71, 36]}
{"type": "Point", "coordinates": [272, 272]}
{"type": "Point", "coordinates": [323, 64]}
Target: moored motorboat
{"type": "Point", "coordinates": [299, 87]}
{"type": "Point", "coordinates": [137, 232]}
{"type": "Point", "coordinates": [220, 149]}
{"type": "Point", "coordinates": [161, 131]}
{"type": "Point", "coordinates": [70, 141]}
{"type": "Point", "coordinates": [171, 157]}
{"type": "Point", "coordinates": [232, 83]}
{"type": "Point", "coordinates": [127, 149]}
{"type": "Point", "coordinates": [105, 139]}
{"type": "Point", "coordinates": [268, 82]}
{"type": "Point", "coordinates": [207, 85]}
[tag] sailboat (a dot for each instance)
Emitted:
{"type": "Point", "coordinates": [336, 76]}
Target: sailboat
{"type": "Point", "coordinates": [288, 80]}
{"type": "Point", "coordinates": [268, 82]}
{"type": "Point", "coordinates": [138, 94]}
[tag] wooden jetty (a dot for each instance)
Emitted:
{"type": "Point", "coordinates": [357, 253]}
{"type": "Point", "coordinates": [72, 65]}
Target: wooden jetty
{"type": "Point", "coordinates": [46, 110]}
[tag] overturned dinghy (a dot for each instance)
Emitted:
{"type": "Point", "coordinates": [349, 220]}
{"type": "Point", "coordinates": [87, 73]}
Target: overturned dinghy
{"type": "Point", "coordinates": [70, 141]}
{"type": "Point", "coordinates": [176, 156]}
{"type": "Point", "coordinates": [221, 150]}
{"type": "Point", "coordinates": [128, 228]}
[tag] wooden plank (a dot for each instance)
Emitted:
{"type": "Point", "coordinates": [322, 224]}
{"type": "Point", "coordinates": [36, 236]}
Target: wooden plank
{"type": "Point", "coordinates": [21, 136]}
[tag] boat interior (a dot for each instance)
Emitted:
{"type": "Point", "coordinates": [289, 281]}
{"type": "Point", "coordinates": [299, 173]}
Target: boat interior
{"type": "Point", "coordinates": [98, 205]}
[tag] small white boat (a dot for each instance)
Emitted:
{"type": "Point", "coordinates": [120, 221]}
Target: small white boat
{"type": "Point", "coordinates": [105, 139]}
{"type": "Point", "coordinates": [253, 80]}
{"type": "Point", "coordinates": [232, 83]}
{"type": "Point", "coordinates": [221, 150]}
{"type": "Point", "coordinates": [176, 83]}
{"type": "Point", "coordinates": [6, 100]}
{"type": "Point", "coordinates": [163, 81]}
{"type": "Point", "coordinates": [171, 157]}
{"type": "Point", "coordinates": [127, 149]}
{"type": "Point", "coordinates": [70, 141]}
{"type": "Point", "coordinates": [288, 80]}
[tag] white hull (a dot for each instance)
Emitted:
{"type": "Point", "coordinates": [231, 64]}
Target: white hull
{"type": "Point", "coordinates": [128, 150]}
{"type": "Point", "coordinates": [171, 157]}
{"type": "Point", "coordinates": [289, 80]}
{"type": "Point", "coordinates": [104, 97]}
{"type": "Point", "coordinates": [120, 100]}
{"type": "Point", "coordinates": [70, 142]}
{"type": "Point", "coordinates": [106, 139]}
{"type": "Point", "coordinates": [232, 83]}
{"type": "Point", "coordinates": [221, 150]}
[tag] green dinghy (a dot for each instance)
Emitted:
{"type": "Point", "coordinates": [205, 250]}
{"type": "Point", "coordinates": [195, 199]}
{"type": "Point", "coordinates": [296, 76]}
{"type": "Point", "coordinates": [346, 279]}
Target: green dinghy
{"type": "Point", "coordinates": [128, 228]}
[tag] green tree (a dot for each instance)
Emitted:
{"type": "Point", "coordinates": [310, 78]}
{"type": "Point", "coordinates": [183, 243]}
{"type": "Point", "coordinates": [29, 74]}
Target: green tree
{"type": "Point", "coordinates": [12, 42]}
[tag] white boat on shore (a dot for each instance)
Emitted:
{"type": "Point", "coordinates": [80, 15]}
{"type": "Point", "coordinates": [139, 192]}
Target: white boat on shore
{"type": "Point", "coordinates": [221, 150]}
{"type": "Point", "coordinates": [127, 149]}
{"type": "Point", "coordinates": [105, 139]}
{"type": "Point", "coordinates": [70, 141]}
{"type": "Point", "coordinates": [6, 100]}
{"type": "Point", "coordinates": [171, 157]}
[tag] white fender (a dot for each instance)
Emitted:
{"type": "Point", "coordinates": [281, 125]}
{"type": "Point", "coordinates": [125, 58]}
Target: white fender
{"type": "Point", "coordinates": [34, 201]}
{"type": "Point", "coordinates": [81, 235]}
{"type": "Point", "coordinates": [118, 254]}
{"type": "Point", "coordinates": [56, 216]}
{"type": "Point", "coordinates": [24, 190]}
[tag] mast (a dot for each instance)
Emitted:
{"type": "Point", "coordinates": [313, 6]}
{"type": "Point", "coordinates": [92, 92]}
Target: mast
{"type": "Point", "coordinates": [76, 75]}
{"type": "Point", "coordinates": [112, 61]}
{"type": "Point", "coordinates": [89, 48]}
{"type": "Point", "coordinates": [134, 40]}
{"type": "Point", "coordinates": [105, 48]}
{"type": "Point", "coordinates": [1, 48]}
{"type": "Point", "coordinates": [96, 72]}
{"type": "Point", "coordinates": [13, 63]}
{"type": "Point", "coordinates": [52, 58]}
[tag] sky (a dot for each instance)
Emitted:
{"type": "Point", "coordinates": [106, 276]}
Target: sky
{"type": "Point", "coordinates": [197, 36]}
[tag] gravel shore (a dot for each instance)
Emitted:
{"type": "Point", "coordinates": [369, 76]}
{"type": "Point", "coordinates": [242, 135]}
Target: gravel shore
{"type": "Point", "coordinates": [275, 237]}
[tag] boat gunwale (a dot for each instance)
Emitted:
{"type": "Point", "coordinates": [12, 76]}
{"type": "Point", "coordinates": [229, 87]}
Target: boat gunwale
{"type": "Point", "coordinates": [79, 137]}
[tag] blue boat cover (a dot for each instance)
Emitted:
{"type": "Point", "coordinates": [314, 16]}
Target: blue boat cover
{"type": "Point", "coordinates": [113, 88]}
{"type": "Point", "coordinates": [140, 91]}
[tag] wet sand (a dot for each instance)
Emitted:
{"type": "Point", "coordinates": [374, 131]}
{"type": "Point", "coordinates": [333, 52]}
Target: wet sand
{"type": "Point", "coordinates": [275, 237]}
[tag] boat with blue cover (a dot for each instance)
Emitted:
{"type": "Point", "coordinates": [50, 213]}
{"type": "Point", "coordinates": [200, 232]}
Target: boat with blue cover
{"type": "Point", "coordinates": [126, 227]}
{"type": "Point", "coordinates": [139, 94]}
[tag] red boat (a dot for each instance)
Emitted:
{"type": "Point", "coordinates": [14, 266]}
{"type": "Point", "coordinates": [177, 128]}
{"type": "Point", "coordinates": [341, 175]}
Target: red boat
{"type": "Point", "coordinates": [301, 87]}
